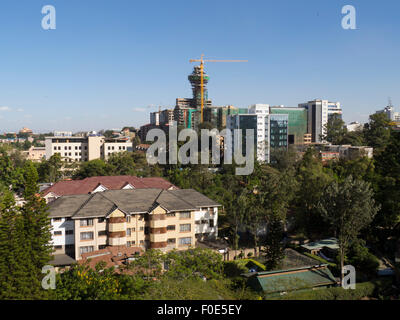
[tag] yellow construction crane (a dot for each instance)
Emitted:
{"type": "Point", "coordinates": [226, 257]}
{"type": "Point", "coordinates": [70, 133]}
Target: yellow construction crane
{"type": "Point", "coordinates": [201, 60]}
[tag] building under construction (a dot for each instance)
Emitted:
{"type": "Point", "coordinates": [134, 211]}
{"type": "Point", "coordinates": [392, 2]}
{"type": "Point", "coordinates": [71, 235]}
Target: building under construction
{"type": "Point", "coordinates": [187, 110]}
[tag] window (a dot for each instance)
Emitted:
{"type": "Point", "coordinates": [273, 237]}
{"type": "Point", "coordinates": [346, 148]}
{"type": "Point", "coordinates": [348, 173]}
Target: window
{"type": "Point", "coordinates": [57, 247]}
{"type": "Point", "coordinates": [141, 242]}
{"type": "Point", "coordinates": [86, 222]}
{"type": "Point", "coordinates": [102, 246]}
{"type": "Point", "coordinates": [101, 220]}
{"type": "Point", "coordinates": [171, 241]}
{"type": "Point", "coordinates": [128, 219]}
{"type": "Point", "coordinates": [102, 233]}
{"type": "Point", "coordinates": [67, 232]}
{"type": "Point", "coordinates": [185, 241]}
{"type": "Point", "coordinates": [172, 214]}
{"type": "Point", "coordinates": [185, 215]}
{"type": "Point", "coordinates": [57, 233]}
{"type": "Point", "coordinates": [141, 228]}
{"type": "Point", "coordinates": [86, 235]}
{"type": "Point", "coordinates": [185, 227]}
{"type": "Point", "coordinates": [129, 243]}
{"type": "Point", "coordinates": [211, 223]}
{"type": "Point", "coordinates": [128, 231]}
{"type": "Point", "coordinates": [57, 219]}
{"type": "Point", "coordinates": [86, 249]}
{"type": "Point", "coordinates": [171, 227]}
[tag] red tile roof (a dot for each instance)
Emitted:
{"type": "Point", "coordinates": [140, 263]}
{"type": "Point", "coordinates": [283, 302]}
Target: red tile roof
{"type": "Point", "coordinates": [88, 185]}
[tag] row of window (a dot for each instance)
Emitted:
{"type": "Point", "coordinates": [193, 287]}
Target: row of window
{"type": "Point", "coordinates": [69, 148]}
{"type": "Point", "coordinates": [119, 148]}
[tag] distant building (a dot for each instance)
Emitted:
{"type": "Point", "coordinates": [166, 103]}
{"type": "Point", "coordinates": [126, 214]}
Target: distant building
{"type": "Point", "coordinates": [390, 113]}
{"type": "Point", "coordinates": [36, 154]}
{"type": "Point", "coordinates": [297, 122]}
{"type": "Point", "coordinates": [72, 148]}
{"type": "Point", "coordinates": [26, 130]}
{"type": "Point", "coordinates": [354, 126]}
{"type": "Point", "coordinates": [318, 113]}
{"type": "Point", "coordinates": [270, 130]}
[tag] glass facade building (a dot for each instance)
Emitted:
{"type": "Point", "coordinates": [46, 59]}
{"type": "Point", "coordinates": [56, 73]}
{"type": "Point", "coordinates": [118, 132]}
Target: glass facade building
{"type": "Point", "coordinates": [297, 123]}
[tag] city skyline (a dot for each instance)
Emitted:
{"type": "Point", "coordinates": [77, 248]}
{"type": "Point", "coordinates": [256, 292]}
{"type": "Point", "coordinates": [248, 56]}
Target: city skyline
{"type": "Point", "coordinates": [90, 75]}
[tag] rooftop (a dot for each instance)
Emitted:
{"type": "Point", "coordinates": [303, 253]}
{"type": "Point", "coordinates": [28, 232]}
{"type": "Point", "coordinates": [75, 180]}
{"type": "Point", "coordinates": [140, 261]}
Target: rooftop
{"type": "Point", "coordinates": [134, 201]}
{"type": "Point", "coordinates": [88, 185]}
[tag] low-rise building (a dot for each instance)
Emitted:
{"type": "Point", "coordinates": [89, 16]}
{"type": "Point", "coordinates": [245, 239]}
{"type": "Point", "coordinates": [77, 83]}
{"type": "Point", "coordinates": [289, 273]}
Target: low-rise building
{"type": "Point", "coordinates": [36, 154]}
{"type": "Point", "coordinates": [144, 218]}
{"type": "Point", "coordinates": [79, 148]}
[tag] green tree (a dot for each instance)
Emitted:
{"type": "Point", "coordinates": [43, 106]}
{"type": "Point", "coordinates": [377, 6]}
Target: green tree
{"type": "Point", "coordinates": [312, 179]}
{"type": "Point", "coordinates": [377, 132]}
{"type": "Point", "coordinates": [93, 168]}
{"type": "Point", "coordinates": [349, 207]}
{"type": "Point", "coordinates": [37, 234]}
{"type": "Point", "coordinates": [274, 249]}
{"type": "Point", "coordinates": [194, 263]}
{"type": "Point", "coordinates": [335, 129]}
{"type": "Point", "coordinates": [50, 170]}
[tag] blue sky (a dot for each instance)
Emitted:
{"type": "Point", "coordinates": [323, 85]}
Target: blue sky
{"type": "Point", "coordinates": [109, 63]}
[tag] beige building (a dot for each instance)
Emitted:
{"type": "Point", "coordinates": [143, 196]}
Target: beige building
{"type": "Point", "coordinates": [36, 154]}
{"type": "Point", "coordinates": [75, 148]}
{"type": "Point", "coordinates": [144, 218]}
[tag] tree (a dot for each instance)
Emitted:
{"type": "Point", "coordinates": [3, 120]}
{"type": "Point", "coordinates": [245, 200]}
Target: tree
{"type": "Point", "coordinates": [93, 168]}
{"type": "Point", "coordinates": [14, 280]}
{"type": "Point", "coordinates": [349, 207]}
{"type": "Point", "coordinates": [387, 184]}
{"type": "Point", "coordinates": [50, 170]}
{"type": "Point", "coordinates": [335, 129]}
{"type": "Point", "coordinates": [312, 179]}
{"type": "Point", "coordinates": [274, 249]}
{"type": "Point", "coordinates": [193, 264]}
{"type": "Point", "coordinates": [377, 132]}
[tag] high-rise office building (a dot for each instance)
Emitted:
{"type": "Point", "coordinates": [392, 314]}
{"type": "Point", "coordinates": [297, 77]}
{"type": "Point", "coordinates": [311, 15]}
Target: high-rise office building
{"type": "Point", "coordinates": [297, 122]}
{"type": "Point", "coordinates": [318, 112]}
{"type": "Point", "coordinates": [270, 130]}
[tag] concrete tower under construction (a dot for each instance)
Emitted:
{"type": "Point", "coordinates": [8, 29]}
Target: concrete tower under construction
{"type": "Point", "coordinates": [187, 111]}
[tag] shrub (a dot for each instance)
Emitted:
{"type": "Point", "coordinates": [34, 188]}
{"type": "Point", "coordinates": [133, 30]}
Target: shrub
{"type": "Point", "coordinates": [251, 263]}
{"type": "Point", "coordinates": [234, 269]}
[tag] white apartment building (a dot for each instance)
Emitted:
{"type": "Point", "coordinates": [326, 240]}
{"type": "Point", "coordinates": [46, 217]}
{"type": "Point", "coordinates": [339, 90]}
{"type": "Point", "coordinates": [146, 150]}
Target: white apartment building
{"type": "Point", "coordinates": [72, 148]}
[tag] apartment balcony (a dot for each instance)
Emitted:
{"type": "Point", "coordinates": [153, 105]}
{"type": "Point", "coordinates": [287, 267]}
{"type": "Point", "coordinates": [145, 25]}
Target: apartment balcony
{"type": "Point", "coordinates": [158, 223]}
{"type": "Point", "coordinates": [116, 227]}
{"type": "Point", "coordinates": [158, 237]}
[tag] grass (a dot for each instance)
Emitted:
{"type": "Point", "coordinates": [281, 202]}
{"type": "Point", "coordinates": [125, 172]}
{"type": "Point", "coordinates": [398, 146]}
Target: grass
{"type": "Point", "coordinates": [376, 289]}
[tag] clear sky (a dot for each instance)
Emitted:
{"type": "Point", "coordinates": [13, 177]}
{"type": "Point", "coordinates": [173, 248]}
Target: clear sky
{"type": "Point", "coordinates": [109, 63]}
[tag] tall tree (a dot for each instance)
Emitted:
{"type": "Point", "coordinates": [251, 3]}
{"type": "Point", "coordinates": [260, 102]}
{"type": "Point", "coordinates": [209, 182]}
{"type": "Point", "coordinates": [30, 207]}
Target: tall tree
{"type": "Point", "coordinates": [37, 235]}
{"type": "Point", "coordinates": [335, 129]}
{"type": "Point", "coordinates": [377, 132]}
{"type": "Point", "coordinates": [348, 206]}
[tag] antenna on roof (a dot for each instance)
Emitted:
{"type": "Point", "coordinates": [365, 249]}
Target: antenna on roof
{"type": "Point", "coordinates": [390, 102]}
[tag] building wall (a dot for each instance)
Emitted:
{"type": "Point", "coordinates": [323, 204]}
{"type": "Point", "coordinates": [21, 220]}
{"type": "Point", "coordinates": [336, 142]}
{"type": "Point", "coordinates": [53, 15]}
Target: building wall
{"type": "Point", "coordinates": [297, 122]}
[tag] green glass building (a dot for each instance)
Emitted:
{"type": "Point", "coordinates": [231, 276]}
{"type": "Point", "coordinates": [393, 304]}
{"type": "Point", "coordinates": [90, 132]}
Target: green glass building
{"type": "Point", "coordinates": [297, 122]}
